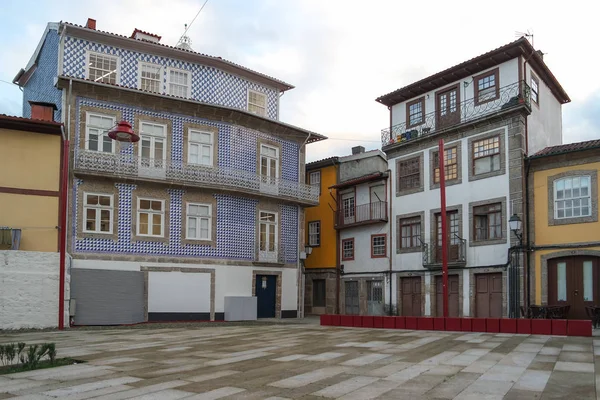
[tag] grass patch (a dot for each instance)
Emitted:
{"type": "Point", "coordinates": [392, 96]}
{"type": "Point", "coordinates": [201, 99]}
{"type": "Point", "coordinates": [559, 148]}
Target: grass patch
{"type": "Point", "coordinates": [60, 362]}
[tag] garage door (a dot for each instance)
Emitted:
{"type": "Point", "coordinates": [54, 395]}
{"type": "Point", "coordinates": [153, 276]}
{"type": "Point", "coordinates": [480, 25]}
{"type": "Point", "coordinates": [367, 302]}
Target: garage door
{"type": "Point", "coordinates": [178, 296]}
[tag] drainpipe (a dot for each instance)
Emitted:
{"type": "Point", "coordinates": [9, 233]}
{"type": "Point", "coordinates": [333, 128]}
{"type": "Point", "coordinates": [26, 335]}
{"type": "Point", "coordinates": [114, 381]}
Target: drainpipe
{"type": "Point", "coordinates": [390, 247]}
{"type": "Point", "coordinates": [62, 230]}
{"type": "Point", "coordinates": [300, 264]}
{"type": "Point", "coordinates": [527, 285]}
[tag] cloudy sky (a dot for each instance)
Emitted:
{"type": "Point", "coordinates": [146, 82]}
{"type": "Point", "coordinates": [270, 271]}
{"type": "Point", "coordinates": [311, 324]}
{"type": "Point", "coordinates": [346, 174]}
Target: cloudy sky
{"type": "Point", "coordinates": [340, 54]}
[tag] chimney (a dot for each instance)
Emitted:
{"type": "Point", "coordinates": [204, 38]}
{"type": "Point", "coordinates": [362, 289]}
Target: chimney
{"type": "Point", "coordinates": [358, 150]}
{"type": "Point", "coordinates": [91, 24]}
{"type": "Point", "coordinates": [42, 111]}
{"type": "Point", "coordinates": [541, 54]}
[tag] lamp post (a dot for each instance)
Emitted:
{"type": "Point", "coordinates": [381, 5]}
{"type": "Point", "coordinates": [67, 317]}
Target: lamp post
{"type": "Point", "coordinates": [515, 225]}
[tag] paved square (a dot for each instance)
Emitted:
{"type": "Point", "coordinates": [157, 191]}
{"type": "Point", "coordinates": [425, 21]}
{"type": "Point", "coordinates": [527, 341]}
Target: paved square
{"type": "Point", "coordinates": [306, 361]}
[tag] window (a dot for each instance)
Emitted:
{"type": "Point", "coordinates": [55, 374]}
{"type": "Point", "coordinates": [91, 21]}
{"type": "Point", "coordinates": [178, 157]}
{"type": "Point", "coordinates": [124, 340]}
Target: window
{"type": "Point", "coordinates": [150, 77]}
{"type": "Point", "coordinates": [319, 290]}
{"type": "Point", "coordinates": [267, 231]}
{"type": "Point", "coordinates": [179, 83]}
{"type": "Point", "coordinates": [153, 145]}
{"type": "Point", "coordinates": [200, 148]}
{"type": "Point", "coordinates": [378, 246]}
{"type": "Point", "coordinates": [257, 103]}
{"type": "Point", "coordinates": [572, 197]}
{"type": "Point", "coordinates": [314, 233]}
{"type": "Point", "coordinates": [410, 233]}
{"type": "Point", "coordinates": [415, 112]}
{"type": "Point", "coordinates": [103, 68]}
{"type": "Point", "coordinates": [97, 213]}
{"type": "Point", "coordinates": [199, 221]}
{"type": "Point", "coordinates": [315, 179]}
{"type": "Point", "coordinates": [269, 161]}
{"type": "Point", "coordinates": [535, 89]}
{"type": "Point", "coordinates": [409, 174]}
{"type": "Point", "coordinates": [348, 249]}
{"type": "Point", "coordinates": [150, 217]}
{"type": "Point", "coordinates": [96, 133]}
{"type": "Point", "coordinates": [348, 207]}
{"type": "Point", "coordinates": [487, 86]}
{"type": "Point", "coordinates": [450, 165]}
{"type": "Point", "coordinates": [488, 222]}
{"type": "Point", "coordinates": [486, 155]}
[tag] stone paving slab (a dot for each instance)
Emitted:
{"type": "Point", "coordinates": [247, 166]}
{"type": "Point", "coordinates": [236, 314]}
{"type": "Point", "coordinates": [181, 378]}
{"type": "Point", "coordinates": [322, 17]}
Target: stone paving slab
{"type": "Point", "coordinates": [280, 361]}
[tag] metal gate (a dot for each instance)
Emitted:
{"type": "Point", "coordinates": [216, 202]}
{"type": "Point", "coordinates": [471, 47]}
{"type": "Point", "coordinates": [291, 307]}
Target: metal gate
{"type": "Point", "coordinates": [375, 297]}
{"type": "Point", "coordinates": [352, 298]}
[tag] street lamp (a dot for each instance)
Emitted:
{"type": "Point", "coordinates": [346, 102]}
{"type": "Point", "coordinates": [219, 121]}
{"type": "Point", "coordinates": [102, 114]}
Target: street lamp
{"type": "Point", "coordinates": [515, 226]}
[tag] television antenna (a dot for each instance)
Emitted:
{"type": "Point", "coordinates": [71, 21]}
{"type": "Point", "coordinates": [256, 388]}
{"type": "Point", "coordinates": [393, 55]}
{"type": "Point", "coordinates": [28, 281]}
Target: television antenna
{"type": "Point", "coordinates": [528, 35]}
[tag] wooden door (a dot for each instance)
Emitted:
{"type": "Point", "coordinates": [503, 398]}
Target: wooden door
{"type": "Point", "coordinates": [488, 295]}
{"type": "Point", "coordinates": [573, 281]}
{"type": "Point", "coordinates": [453, 225]}
{"type": "Point", "coordinates": [452, 296]}
{"type": "Point", "coordinates": [411, 296]}
{"type": "Point", "coordinates": [448, 107]}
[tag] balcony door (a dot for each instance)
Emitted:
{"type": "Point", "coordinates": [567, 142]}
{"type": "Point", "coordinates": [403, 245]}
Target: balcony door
{"type": "Point", "coordinates": [448, 107]}
{"type": "Point", "coordinates": [269, 169]}
{"type": "Point", "coordinates": [267, 239]}
{"type": "Point", "coordinates": [153, 150]}
{"type": "Point", "coordinates": [348, 208]}
{"type": "Point", "coordinates": [453, 224]}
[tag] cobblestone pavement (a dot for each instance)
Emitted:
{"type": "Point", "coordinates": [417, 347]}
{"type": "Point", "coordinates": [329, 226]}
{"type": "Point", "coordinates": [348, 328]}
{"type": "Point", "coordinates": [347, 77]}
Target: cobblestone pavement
{"type": "Point", "coordinates": [300, 361]}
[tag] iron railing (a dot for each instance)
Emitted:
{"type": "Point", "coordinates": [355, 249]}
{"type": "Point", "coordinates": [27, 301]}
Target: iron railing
{"type": "Point", "coordinates": [271, 253]}
{"type": "Point", "coordinates": [130, 166]}
{"type": "Point", "coordinates": [457, 252]}
{"type": "Point", "coordinates": [361, 214]}
{"type": "Point", "coordinates": [511, 96]}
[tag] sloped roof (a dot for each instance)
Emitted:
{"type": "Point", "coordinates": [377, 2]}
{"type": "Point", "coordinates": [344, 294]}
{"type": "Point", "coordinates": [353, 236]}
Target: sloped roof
{"type": "Point", "coordinates": [567, 148]}
{"type": "Point", "coordinates": [323, 162]}
{"type": "Point", "coordinates": [29, 124]}
{"type": "Point", "coordinates": [362, 179]}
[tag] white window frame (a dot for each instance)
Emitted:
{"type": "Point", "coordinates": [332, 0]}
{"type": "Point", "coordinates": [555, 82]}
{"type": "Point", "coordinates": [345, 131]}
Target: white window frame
{"type": "Point", "coordinates": [264, 95]}
{"type": "Point", "coordinates": [211, 145]}
{"type": "Point", "coordinates": [152, 143]}
{"type": "Point", "coordinates": [189, 86]}
{"type": "Point", "coordinates": [315, 182]}
{"type": "Point", "coordinates": [160, 73]}
{"type": "Point", "coordinates": [197, 220]}
{"type": "Point", "coordinates": [314, 233]}
{"type": "Point", "coordinates": [580, 198]}
{"type": "Point", "coordinates": [276, 224]}
{"type": "Point", "coordinates": [150, 213]}
{"type": "Point", "coordinates": [276, 158]}
{"type": "Point", "coordinates": [98, 208]}
{"type": "Point", "coordinates": [87, 131]}
{"type": "Point", "coordinates": [87, 66]}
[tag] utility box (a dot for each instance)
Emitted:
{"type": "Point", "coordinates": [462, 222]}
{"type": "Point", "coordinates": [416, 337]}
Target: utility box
{"type": "Point", "coordinates": [240, 308]}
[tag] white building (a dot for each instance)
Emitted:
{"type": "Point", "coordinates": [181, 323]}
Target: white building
{"type": "Point", "coordinates": [491, 111]}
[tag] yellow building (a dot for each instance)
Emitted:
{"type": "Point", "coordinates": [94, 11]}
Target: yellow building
{"type": "Point", "coordinates": [322, 283]}
{"type": "Point", "coordinates": [30, 154]}
{"type": "Point", "coordinates": [564, 227]}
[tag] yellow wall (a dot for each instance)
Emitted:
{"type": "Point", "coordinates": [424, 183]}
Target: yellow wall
{"type": "Point", "coordinates": [30, 161]}
{"type": "Point", "coordinates": [558, 234]}
{"type": "Point", "coordinates": [33, 160]}
{"type": "Point", "coordinates": [324, 255]}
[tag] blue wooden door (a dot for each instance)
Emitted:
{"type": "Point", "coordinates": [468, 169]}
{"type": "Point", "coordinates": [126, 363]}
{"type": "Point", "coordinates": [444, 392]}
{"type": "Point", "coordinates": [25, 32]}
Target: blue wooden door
{"type": "Point", "coordinates": [266, 295]}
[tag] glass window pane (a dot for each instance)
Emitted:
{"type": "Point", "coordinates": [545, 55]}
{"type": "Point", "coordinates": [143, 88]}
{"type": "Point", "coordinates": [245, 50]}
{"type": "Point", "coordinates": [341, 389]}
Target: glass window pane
{"type": "Point", "coordinates": [588, 281]}
{"type": "Point", "coordinates": [561, 279]}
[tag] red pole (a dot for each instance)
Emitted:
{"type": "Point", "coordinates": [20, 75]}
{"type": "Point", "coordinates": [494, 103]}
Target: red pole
{"type": "Point", "coordinates": [444, 227]}
{"type": "Point", "coordinates": [63, 233]}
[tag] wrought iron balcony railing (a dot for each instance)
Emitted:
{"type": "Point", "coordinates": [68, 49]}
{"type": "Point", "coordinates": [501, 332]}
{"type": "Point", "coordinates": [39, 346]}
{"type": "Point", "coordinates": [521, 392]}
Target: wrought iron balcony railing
{"type": "Point", "coordinates": [130, 166]}
{"type": "Point", "coordinates": [272, 253]}
{"type": "Point", "coordinates": [511, 96]}
{"type": "Point", "coordinates": [457, 252]}
{"type": "Point", "coordinates": [362, 214]}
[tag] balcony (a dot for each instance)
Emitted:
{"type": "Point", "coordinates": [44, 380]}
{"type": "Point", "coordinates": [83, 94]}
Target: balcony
{"type": "Point", "coordinates": [457, 253]}
{"type": "Point", "coordinates": [271, 253]}
{"type": "Point", "coordinates": [361, 215]}
{"type": "Point", "coordinates": [510, 97]}
{"type": "Point", "coordinates": [173, 172]}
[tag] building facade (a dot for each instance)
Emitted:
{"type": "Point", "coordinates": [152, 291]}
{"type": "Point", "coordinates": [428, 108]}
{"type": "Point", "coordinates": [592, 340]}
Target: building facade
{"type": "Point", "coordinates": [564, 228]}
{"type": "Point", "coordinates": [209, 204]}
{"type": "Point", "coordinates": [490, 111]}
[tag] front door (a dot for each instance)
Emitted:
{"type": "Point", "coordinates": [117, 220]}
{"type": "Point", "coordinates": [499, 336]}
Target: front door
{"type": "Point", "coordinates": [573, 281]}
{"type": "Point", "coordinates": [266, 292]}
{"type": "Point", "coordinates": [411, 296]}
{"type": "Point", "coordinates": [488, 295]}
{"type": "Point", "coordinates": [351, 291]}
{"type": "Point", "coordinates": [453, 239]}
{"type": "Point", "coordinates": [448, 107]}
{"type": "Point", "coordinates": [375, 297]}
{"type": "Point", "coordinates": [452, 296]}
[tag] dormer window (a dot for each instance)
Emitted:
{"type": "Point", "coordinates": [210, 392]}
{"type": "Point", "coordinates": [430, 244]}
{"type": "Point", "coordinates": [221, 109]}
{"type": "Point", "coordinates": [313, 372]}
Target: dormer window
{"type": "Point", "coordinates": [415, 112]}
{"type": "Point", "coordinates": [487, 86]}
{"type": "Point", "coordinates": [257, 103]}
{"type": "Point", "coordinates": [103, 68]}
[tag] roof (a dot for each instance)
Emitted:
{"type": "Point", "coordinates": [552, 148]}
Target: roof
{"type": "Point", "coordinates": [323, 163]}
{"type": "Point", "coordinates": [136, 30]}
{"type": "Point", "coordinates": [177, 52]}
{"type": "Point", "coordinates": [520, 47]}
{"type": "Point", "coordinates": [364, 154]}
{"type": "Point", "coordinates": [29, 124]}
{"type": "Point", "coordinates": [362, 179]}
{"type": "Point", "coordinates": [567, 148]}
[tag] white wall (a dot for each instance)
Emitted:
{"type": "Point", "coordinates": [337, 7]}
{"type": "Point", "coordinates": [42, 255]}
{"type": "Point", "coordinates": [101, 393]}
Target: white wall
{"type": "Point", "coordinates": [178, 292]}
{"type": "Point", "coordinates": [508, 74]}
{"type": "Point", "coordinates": [29, 289]}
{"type": "Point", "coordinates": [363, 262]}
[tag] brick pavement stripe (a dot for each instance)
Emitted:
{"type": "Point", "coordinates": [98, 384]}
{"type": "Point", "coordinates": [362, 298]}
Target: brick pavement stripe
{"type": "Point", "coordinates": [344, 387]}
{"type": "Point", "coordinates": [216, 394]}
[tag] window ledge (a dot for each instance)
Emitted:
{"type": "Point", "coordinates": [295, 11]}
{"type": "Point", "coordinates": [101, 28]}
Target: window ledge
{"type": "Point", "coordinates": [477, 243]}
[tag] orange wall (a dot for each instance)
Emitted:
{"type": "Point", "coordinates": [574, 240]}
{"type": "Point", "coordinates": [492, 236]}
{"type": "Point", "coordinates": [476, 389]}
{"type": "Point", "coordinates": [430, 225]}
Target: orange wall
{"type": "Point", "coordinates": [324, 255]}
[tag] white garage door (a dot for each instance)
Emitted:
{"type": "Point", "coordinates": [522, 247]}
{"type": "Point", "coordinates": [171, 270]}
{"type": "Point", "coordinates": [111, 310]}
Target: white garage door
{"type": "Point", "coordinates": [178, 296]}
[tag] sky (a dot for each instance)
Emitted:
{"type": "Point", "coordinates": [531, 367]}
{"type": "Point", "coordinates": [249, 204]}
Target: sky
{"type": "Point", "coordinates": [339, 54]}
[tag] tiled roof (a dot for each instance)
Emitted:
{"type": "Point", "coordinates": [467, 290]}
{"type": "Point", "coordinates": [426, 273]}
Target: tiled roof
{"type": "Point", "coordinates": [136, 30]}
{"type": "Point", "coordinates": [333, 159]}
{"type": "Point", "coordinates": [5, 117]}
{"type": "Point", "coordinates": [282, 84]}
{"type": "Point", "coordinates": [362, 179]}
{"type": "Point", "coordinates": [567, 148]}
{"type": "Point", "coordinates": [29, 124]}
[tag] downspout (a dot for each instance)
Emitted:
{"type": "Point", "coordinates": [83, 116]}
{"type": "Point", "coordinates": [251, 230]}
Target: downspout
{"type": "Point", "coordinates": [527, 285]}
{"type": "Point", "coordinates": [338, 265]}
{"type": "Point", "coordinates": [62, 229]}
{"type": "Point", "coordinates": [390, 243]}
{"type": "Point", "coordinates": [300, 264]}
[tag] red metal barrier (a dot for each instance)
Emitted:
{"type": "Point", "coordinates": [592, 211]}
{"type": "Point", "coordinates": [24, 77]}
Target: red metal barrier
{"type": "Point", "coordinates": [453, 324]}
{"type": "Point", "coordinates": [439, 324]}
{"type": "Point", "coordinates": [559, 327]}
{"type": "Point", "coordinates": [466, 324]}
{"type": "Point", "coordinates": [325, 320]}
{"type": "Point", "coordinates": [368, 321]}
{"type": "Point", "coordinates": [336, 320]}
{"type": "Point", "coordinates": [357, 321]}
{"type": "Point", "coordinates": [492, 325]}
{"type": "Point", "coordinates": [524, 326]}
{"type": "Point", "coordinates": [389, 322]}
{"type": "Point", "coordinates": [347, 320]}
{"type": "Point", "coordinates": [508, 325]}
{"type": "Point", "coordinates": [425, 323]}
{"type": "Point", "coordinates": [478, 325]}
{"type": "Point", "coordinates": [541, 326]}
{"type": "Point", "coordinates": [411, 323]}
{"type": "Point", "coordinates": [378, 322]}
{"type": "Point", "coordinates": [400, 322]}
{"type": "Point", "coordinates": [578, 327]}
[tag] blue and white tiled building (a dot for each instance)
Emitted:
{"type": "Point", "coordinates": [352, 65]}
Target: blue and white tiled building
{"type": "Point", "coordinates": [207, 205]}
